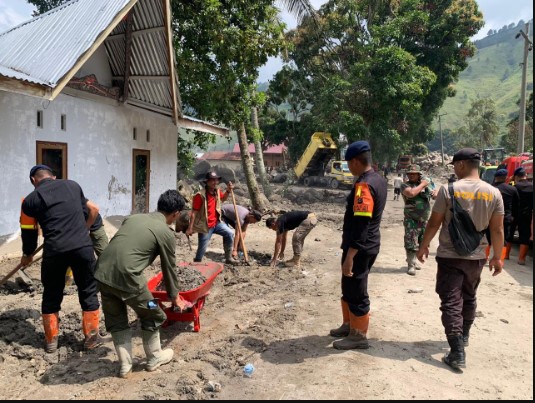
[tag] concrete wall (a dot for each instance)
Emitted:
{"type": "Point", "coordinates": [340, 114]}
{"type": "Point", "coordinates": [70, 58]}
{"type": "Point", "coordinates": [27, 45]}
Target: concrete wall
{"type": "Point", "coordinates": [100, 143]}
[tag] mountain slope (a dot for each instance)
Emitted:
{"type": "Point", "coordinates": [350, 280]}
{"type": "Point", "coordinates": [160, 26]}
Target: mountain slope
{"type": "Point", "coordinates": [495, 72]}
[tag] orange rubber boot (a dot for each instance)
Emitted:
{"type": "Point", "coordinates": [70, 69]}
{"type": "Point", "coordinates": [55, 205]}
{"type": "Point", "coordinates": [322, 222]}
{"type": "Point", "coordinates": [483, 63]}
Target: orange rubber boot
{"type": "Point", "coordinates": [51, 326]}
{"type": "Point", "coordinates": [90, 324]}
{"type": "Point", "coordinates": [508, 250]}
{"type": "Point", "coordinates": [343, 331]}
{"type": "Point", "coordinates": [357, 336]}
{"type": "Point", "coordinates": [524, 249]}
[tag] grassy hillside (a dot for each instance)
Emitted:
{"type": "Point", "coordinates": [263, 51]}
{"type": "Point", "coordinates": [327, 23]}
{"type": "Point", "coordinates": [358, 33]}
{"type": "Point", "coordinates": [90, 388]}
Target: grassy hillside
{"type": "Point", "coordinates": [494, 72]}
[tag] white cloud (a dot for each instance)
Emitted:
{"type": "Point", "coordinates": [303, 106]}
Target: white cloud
{"type": "Point", "coordinates": [13, 13]}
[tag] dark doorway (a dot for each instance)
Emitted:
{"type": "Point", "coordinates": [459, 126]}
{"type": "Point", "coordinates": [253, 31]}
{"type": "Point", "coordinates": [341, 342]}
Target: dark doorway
{"type": "Point", "coordinates": [141, 181]}
{"type": "Point", "coordinates": [55, 156]}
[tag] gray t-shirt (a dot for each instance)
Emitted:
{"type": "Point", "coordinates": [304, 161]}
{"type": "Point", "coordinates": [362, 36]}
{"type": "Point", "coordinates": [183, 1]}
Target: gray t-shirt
{"type": "Point", "coordinates": [481, 200]}
{"type": "Point", "coordinates": [228, 211]}
{"type": "Point", "coordinates": [398, 182]}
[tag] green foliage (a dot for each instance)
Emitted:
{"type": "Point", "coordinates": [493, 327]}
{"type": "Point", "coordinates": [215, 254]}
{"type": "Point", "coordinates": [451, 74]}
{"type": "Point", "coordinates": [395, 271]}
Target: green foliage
{"type": "Point", "coordinates": [419, 150]}
{"type": "Point", "coordinates": [481, 126]}
{"type": "Point", "coordinates": [510, 140]}
{"type": "Point", "coordinates": [375, 69]}
{"type": "Point", "coordinates": [45, 5]}
{"type": "Point", "coordinates": [185, 154]}
{"type": "Point", "coordinates": [219, 47]}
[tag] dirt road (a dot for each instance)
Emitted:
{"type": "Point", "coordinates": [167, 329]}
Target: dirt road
{"type": "Point", "coordinates": [278, 320]}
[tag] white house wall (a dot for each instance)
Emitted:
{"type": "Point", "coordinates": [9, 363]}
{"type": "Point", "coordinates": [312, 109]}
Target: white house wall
{"type": "Point", "coordinates": [100, 143]}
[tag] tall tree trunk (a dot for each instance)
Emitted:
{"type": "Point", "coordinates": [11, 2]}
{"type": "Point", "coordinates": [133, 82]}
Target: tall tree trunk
{"type": "Point", "coordinates": [259, 154]}
{"type": "Point", "coordinates": [248, 170]}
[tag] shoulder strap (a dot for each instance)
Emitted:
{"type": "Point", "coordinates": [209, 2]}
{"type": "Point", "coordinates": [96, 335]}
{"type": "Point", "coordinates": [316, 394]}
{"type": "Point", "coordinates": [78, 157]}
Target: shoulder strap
{"type": "Point", "coordinates": [452, 195]}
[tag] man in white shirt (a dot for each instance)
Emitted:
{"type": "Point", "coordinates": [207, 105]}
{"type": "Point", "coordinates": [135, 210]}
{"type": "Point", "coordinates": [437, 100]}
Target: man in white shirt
{"type": "Point", "coordinates": [397, 187]}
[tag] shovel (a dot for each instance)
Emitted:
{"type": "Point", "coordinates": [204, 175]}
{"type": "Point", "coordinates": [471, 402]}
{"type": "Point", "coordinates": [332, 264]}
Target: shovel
{"type": "Point", "coordinates": [238, 228]}
{"type": "Point", "coordinates": [21, 266]}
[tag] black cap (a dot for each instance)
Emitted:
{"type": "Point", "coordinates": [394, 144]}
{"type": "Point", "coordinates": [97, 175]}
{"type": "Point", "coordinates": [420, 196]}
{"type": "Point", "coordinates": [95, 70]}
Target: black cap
{"type": "Point", "coordinates": [520, 172]}
{"type": "Point", "coordinates": [466, 154]}
{"type": "Point", "coordinates": [357, 148]}
{"type": "Point", "coordinates": [212, 175]}
{"type": "Point", "coordinates": [37, 168]}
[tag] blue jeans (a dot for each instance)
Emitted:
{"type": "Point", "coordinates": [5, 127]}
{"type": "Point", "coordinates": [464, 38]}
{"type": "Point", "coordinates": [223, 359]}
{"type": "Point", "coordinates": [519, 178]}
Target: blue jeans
{"type": "Point", "coordinates": [204, 239]}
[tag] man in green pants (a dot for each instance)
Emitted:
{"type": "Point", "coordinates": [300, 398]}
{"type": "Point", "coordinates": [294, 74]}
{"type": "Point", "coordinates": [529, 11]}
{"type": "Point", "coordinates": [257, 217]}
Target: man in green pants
{"type": "Point", "coordinates": [417, 195]}
{"type": "Point", "coordinates": [119, 273]}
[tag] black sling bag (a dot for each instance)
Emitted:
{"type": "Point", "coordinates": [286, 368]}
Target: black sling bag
{"type": "Point", "coordinates": [463, 233]}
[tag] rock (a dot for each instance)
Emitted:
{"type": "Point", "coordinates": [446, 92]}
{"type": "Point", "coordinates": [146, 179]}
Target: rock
{"type": "Point", "coordinates": [505, 321]}
{"type": "Point", "coordinates": [416, 291]}
{"type": "Point", "coordinates": [274, 198]}
{"type": "Point", "coordinates": [213, 387]}
{"type": "Point", "coordinates": [226, 173]}
{"type": "Point", "coordinates": [201, 169]}
{"type": "Point", "coordinates": [185, 190]}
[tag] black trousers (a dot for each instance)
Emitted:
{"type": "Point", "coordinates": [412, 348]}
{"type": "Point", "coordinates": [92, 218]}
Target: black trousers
{"type": "Point", "coordinates": [53, 269]}
{"type": "Point", "coordinates": [524, 229]}
{"type": "Point", "coordinates": [457, 284]}
{"type": "Point", "coordinates": [355, 289]}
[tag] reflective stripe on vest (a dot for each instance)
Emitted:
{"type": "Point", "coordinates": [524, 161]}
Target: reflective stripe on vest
{"type": "Point", "coordinates": [27, 222]}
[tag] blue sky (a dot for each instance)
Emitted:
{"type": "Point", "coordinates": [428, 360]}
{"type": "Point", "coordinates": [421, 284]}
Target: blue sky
{"type": "Point", "coordinates": [497, 13]}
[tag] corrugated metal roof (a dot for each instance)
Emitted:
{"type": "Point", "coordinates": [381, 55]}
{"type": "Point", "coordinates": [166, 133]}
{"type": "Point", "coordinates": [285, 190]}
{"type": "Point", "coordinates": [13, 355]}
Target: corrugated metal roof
{"type": "Point", "coordinates": [44, 49]}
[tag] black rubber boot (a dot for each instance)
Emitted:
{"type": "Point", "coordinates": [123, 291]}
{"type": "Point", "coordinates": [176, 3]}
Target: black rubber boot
{"type": "Point", "coordinates": [467, 325]}
{"type": "Point", "coordinates": [456, 358]}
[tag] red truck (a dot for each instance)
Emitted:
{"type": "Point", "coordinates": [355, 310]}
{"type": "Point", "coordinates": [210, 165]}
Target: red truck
{"type": "Point", "coordinates": [514, 162]}
{"type": "Point", "coordinates": [404, 162]}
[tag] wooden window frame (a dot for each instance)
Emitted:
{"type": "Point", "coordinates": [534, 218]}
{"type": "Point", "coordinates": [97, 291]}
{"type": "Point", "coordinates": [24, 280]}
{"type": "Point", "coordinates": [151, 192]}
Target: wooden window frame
{"type": "Point", "coordinates": [46, 145]}
{"type": "Point", "coordinates": [135, 153]}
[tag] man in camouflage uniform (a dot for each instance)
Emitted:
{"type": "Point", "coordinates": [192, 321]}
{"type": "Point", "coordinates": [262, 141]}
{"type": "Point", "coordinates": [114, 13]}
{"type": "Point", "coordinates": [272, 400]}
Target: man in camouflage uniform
{"type": "Point", "coordinates": [417, 195]}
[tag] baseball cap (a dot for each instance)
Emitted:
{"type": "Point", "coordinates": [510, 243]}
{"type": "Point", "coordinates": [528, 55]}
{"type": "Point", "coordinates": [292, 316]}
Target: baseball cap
{"type": "Point", "coordinates": [36, 168]}
{"type": "Point", "coordinates": [500, 172]}
{"type": "Point", "coordinates": [356, 149]}
{"type": "Point", "coordinates": [466, 154]}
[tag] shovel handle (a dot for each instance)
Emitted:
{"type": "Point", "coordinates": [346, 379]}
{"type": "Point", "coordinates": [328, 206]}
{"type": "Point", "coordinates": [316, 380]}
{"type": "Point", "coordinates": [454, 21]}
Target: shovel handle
{"type": "Point", "coordinates": [20, 266]}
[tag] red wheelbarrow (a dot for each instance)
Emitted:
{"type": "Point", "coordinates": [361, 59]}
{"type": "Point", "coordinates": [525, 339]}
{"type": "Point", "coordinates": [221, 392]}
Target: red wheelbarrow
{"type": "Point", "coordinates": [197, 296]}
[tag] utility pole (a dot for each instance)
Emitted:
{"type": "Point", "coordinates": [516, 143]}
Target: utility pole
{"type": "Point", "coordinates": [528, 46]}
{"type": "Point", "coordinates": [441, 137]}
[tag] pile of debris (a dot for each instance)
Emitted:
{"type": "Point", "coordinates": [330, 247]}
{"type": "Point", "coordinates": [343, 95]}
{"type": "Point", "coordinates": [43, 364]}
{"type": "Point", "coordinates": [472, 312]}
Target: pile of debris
{"type": "Point", "coordinates": [431, 160]}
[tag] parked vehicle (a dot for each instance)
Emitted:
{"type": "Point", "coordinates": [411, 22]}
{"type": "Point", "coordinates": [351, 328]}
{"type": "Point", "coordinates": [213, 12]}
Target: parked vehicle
{"type": "Point", "coordinates": [512, 163]}
{"type": "Point", "coordinates": [318, 166]}
{"type": "Point", "coordinates": [486, 173]}
{"type": "Point", "coordinates": [404, 162]}
{"type": "Point", "coordinates": [528, 166]}
{"type": "Point", "coordinates": [492, 156]}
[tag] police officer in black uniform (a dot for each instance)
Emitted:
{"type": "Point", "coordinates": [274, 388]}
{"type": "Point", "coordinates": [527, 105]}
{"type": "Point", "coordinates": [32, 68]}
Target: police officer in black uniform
{"type": "Point", "coordinates": [510, 203]}
{"type": "Point", "coordinates": [58, 206]}
{"type": "Point", "coordinates": [361, 243]}
{"type": "Point", "coordinates": [525, 212]}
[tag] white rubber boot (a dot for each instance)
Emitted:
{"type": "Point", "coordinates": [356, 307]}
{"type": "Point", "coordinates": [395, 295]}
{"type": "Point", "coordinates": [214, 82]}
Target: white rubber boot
{"type": "Point", "coordinates": [156, 357]}
{"type": "Point", "coordinates": [123, 346]}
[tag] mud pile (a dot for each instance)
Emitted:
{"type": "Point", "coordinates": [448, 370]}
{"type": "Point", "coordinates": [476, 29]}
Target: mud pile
{"type": "Point", "coordinates": [189, 278]}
